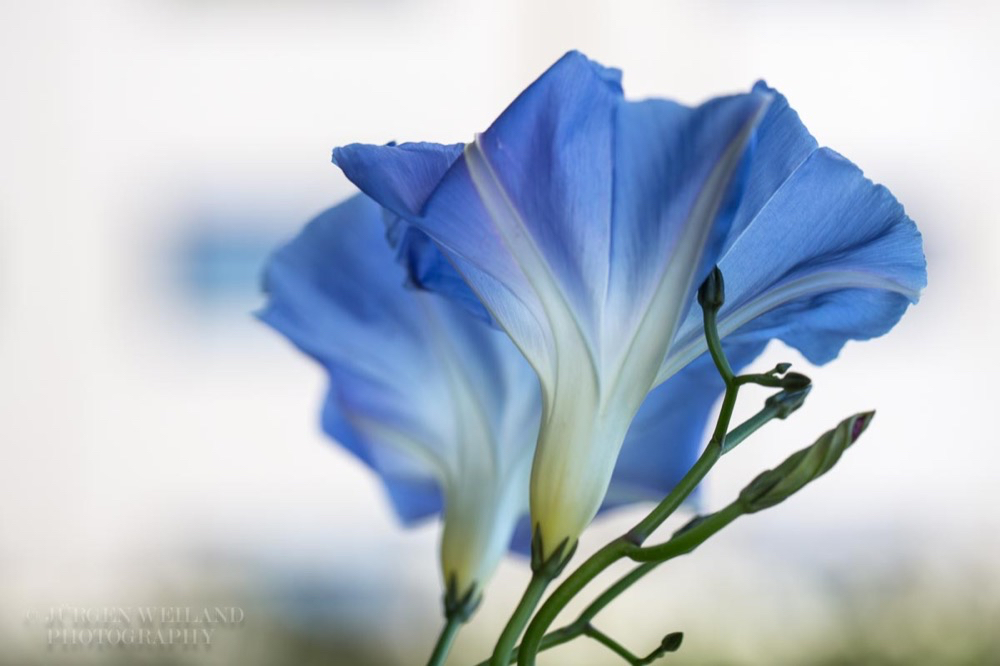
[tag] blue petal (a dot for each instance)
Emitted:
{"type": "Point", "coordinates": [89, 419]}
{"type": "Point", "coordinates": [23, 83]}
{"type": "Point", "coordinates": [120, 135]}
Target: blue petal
{"type": "Point", "coordinates": [320, 288]}
{"type": "Point", "coordinates": [829, 257]}
{"type": "Point", "coordinates": [559, 130]}
{"type": "Point", "coordinates": [414, 499]}
{"type": "Point", "coordinates": [665, 155]}
{"type": "Point", "coordinates": [550, 157]}
{"type": "Point", "coordinates": [400, 177]}
{"type": "Point", "coordinates": [781, 144]}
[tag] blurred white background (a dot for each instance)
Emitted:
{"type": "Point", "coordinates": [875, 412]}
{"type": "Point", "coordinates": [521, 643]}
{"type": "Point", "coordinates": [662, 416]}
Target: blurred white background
{"type": "Point", "coordinates": [158, 442]}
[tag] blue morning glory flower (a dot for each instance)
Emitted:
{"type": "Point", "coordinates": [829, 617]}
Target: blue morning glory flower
{"type": "Point", "coordinates": [442, 406]}
{"type": "Point", "coordinates": [582, 224]}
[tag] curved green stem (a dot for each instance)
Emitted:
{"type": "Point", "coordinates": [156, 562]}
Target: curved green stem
{"type": "Point", "coordinates": [681, 543]}
{"type": "Point", "coordinates": [715, 345]}
{"type": "Point", "coordinates": [591, 631]}
{"type": "Point", "coordinates": [585, 573]}
{"type": "Point", "coordinates": [688, 540]}
{"type": "Point", "coordinates": [529, 601]}
{"type": "Point", "coordinates": [750, 426]}
{"type": "Point", "coordinates": [670, 643]}
{"type": "Point", "coordinates": [445, 641]}
{"type": "Point", "coordinates": [638, 534]}
{"type": "Point", "coordinates": [612, 593]}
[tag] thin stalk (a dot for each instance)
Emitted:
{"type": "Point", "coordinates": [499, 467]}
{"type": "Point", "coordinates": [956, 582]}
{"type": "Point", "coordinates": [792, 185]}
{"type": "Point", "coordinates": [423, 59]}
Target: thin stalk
{"type": "Point", "coordinates": [529, 601]}
{"type": "Point", "coordinates": [750, 426]}
{"type": "Point", "coordinates": [708, 317]}
{"type": "Point", "coordinates": [612, 593]}
{"type": "Point", "coordinates": [688, 540]}
{"type": "Point", "coordinates": [593, 632]}
{"type": "Point", "coordinates": [445, 641]}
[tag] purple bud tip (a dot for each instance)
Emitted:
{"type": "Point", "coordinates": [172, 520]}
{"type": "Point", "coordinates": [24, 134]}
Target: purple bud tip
{"type": "Point", "coordinates": [859, 425]}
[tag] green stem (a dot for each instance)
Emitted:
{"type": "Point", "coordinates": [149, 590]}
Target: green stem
{"type": "Point", "coordinates": [625, 546]}
{"type": "Point", "coordinates": [612, 593]}
{"type": "Point", "coordinates": [690, 539]}
{"type": "Point", "coordinates": [680, 544]}
{"type": "Point", "coordinates": [778, 406]}
{"type": "Point", "coordinates": [591, 631]}
{"type": "Point", "coordinates": [529, 601]}
{"type": "Point", "coordinates": [711, 454]}
{"type": "Point", "coordinates": [767, 380]}
{"type": "Point", "coordinates": [551, 640]}
{"type": "Point", "coordinates": [638, 534]}
{"type": "Point", "coordinates": [585, 573]}
{"type": "Point", "coordinates": [715, 345]}
{"type": "Point", "coordinates": [750, 426]}
{"type": "Point", "coordinates": [445, 641]}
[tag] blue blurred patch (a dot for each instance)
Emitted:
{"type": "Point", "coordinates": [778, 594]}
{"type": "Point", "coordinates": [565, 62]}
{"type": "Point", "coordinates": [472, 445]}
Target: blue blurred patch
{"type": "Point", "coordinates": [217, 260]}
{"type": "Point", "coordinates": [218, 267]}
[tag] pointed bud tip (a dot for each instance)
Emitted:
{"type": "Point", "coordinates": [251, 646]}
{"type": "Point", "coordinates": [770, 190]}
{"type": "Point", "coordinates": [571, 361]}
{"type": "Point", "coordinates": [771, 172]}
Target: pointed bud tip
{"type": "Point", "coordinates": [861, 424]}
{"type": "Point", "coordinates": [712, 292]}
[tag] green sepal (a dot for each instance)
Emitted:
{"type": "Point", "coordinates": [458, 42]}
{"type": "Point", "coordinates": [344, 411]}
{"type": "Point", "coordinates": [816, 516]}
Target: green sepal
{"type": "Point", "coordinates": [552, 566]}
{"type": "Point", "coordinates": [460, 605]}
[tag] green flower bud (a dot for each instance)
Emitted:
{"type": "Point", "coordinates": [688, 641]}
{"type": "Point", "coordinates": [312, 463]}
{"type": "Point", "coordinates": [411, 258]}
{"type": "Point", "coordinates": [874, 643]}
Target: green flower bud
{"type": "Point", "coordinates": [672, 642]}
{"type": "Point", "coordinates": [787, 401]}
{"type": "Point", "coordinates": [794, 381]}
{"type": "Point", "coordinates": [712, 292]}
{"type": "Point", "coordinates": [802, 467]}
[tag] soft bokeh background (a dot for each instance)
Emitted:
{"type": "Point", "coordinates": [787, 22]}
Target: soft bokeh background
{"type": "Point", "coordinates": [161, 447]}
